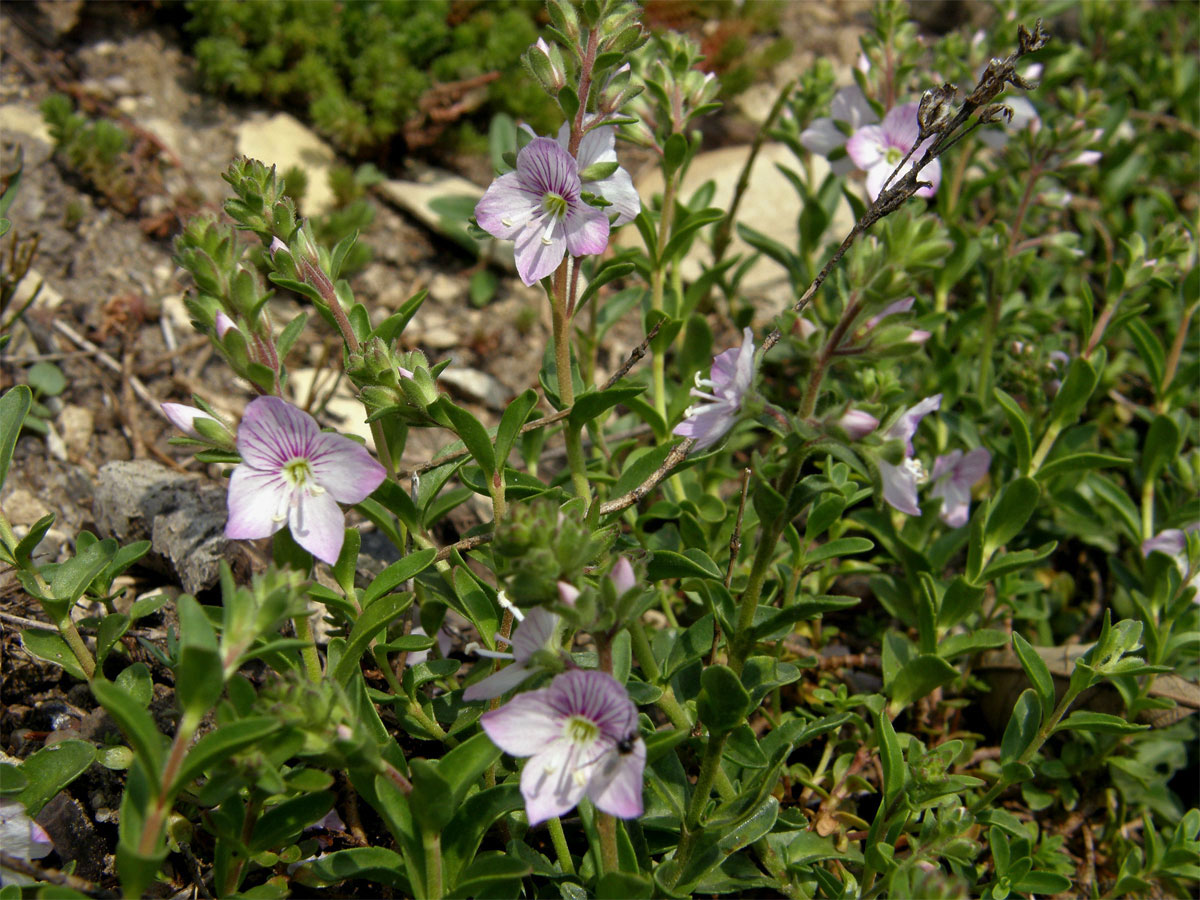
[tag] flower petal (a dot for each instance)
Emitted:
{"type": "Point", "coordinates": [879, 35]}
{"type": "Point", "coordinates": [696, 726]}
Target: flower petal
{"type": "Point", "coordinates": [974, 465]}
{"type": "Point", "coordinates": [524, 725]}
{"type": "Point", "coordinates": [866, 146]}
{"type": "Point", "coordinates": [498, 683]}
{"type": "Point", "coordinates": [534, 634]}
{"type": "Point", "coordinates": [877, 177]}
{"type": "Point", "coordinates": [344, 467]}
{"type": "Point", "coordinates": [545, 167]}
{"type": "Point", "coordinates": [707, 424]}
{"type": "Point", "coordinates": [587, 230]}
{"type": "Point", "coordinates": [506, 207]}
{"type": "Point", "coordinates": [905, 427]}
{"type": "Point", "coordinates": [183, 416]}
{"type": "Point", "coordinates": [1171, 541]}
{"type": "Point", "coordinates": [273, 431]}
{"type": "Point", "coordinates": [616, 788]}
{"type": "Point", "coordinates": [850, 106]}
{"type": "Point", "coordinates": [822, 137]}
{"type": "Point", "coordinates": [618, 190]}
{"type": "Point", "coordinates": [900, 128]}
{"type": "Point", "coordinates": [318, 525]}
{"type": "Point", "coordinates": [622, 576]}
{"type": "Point", "coordinates": [899, 488]}
{"type": "Point", "coordinates": [548, 782]}
{"type": "Point", "coordinates": [537, 253]}
{"type": "Point", "coordinates": [258, 503]}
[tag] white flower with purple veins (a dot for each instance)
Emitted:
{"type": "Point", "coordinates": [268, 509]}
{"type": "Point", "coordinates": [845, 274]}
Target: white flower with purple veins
{"type": "Point", "coordinates": [1173, 542]}
{"type": "Point", "coordinates": [21, 838]}
{"type": "Point", "coordinates": [599, 147]}
{"type": "Point", "coordinates": [878, 149]}
{"type": "Point", "coordinates": [730, 378]}
{"type": "Point", "coordinates": [536, 632]}
{"type": "Point", "coordinates": [953, 476]}
{"type": "Point", "coordinates": [900, 480]}
{"type": "Point", "coordinates": [581, 734]}
{"type": "Point", "coordinates": [294, 474]}
{"type": "Point", "coordinates": [825, 135]}
{"type": "Point", "coordinates": [539, 207]}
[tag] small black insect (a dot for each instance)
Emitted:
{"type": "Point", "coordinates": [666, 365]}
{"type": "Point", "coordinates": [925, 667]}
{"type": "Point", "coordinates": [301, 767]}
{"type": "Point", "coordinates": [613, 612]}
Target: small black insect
{"type": "Point", "coordinates": [625, 744]}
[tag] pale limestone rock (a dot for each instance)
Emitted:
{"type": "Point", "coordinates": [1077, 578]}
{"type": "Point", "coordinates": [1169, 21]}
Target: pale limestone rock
{"type": "Point", "coordinates": [282, 141]}
{"type": "Point", "coordinates": [77, 424]}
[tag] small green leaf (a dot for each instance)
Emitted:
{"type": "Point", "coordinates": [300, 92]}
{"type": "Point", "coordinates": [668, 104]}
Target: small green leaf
{"type": "Point", "coordinates": [1082, 720]}
{"type": "Point", "coordinates": [1009, 513]}
{"type": "Point", "coordinates": [135, 681]}
{"type": "Point", "coordinates": [1038, 673]}
{"type": "Point", "coordinates": [462, 765]}
{"type": "Point", "coordinates": [377, 865]}
{"type": "Point", "coordinates": [398, 573]}
{"type": "Point", "coordinates": [510, 423]}
{"type": "Point", "coordinates": [1080, 462]}
{"type": "Point", "coordinates": [50, 647]}
{"type": "Point", "coordinates": [216, 747]}
{"type": "Point", "coordinates": [1018, 424]}
{"type": "Point", "coordinates": [846, 546]}
{"type": "Point", "coordinates": [723, 702]}
{"type": "Point", "coordinates": [46, 378]}
{"type": "Point", "coordinates": [917, 678]}
{"type": "Point", "coordinates": [588, 406]}
{"type": "Point", "coordinates": [1022, 727]}
{"type": "Point", "coordinates": [891, 757]}
{"type": "Point", "coordinates": [694, 563]}
{"type": "Point", "coordinates": [72, 578]}
{"type": "Point", "coordinates": [1160, 448]}
{"type": "Point", "coordinates": [432, 798]}
{"type": "Point", "coordinates": [377, 616]}
{"type": "Point", "coordinates": [1077, 388]}
{"type": "Point", "coordinates": [50, 770]}
{"type": "Point", "coordinates": [283, 823]}
{"type": "Point", "coordinates": [474, 436]}
{"type": "Point", "coordinates": [135, 723]}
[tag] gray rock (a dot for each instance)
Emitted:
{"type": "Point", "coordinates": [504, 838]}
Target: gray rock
{"type": "Point", "coordinates": [475, 385]}
{"type": "Point", "coordinates": [182, 516]}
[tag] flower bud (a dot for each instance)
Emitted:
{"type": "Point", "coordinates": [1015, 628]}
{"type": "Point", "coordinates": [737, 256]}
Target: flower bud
{"type": "Point", "coordinates": [223, 323]}
{"type": "Point", "coordinates": [857, 424]}
{"type": "Point", "coordinates": [546, 64]}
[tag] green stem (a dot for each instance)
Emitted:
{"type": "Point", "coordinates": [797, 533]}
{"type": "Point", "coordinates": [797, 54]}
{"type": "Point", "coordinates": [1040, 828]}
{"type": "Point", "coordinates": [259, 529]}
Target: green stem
{"type": "Point", "coordinates": [432, 841]}
{"type": "Point", "coordinates": [560, 846]}
{"type": "Point", "coordinates": [645, 657]}
{"type": "Point", "coordinates": [160, 806]}
{"type": "Point", "coordinates": [821, 363]}
{"type": "Point", "coordinates": [606, 825]}
{"type": "Point", "coordinates": [657, 277]}
{"type": "Point", "coordinates": [308, 653]}
{"type": "Point", "coordinates": [1044, 447]}
{"type": "Point", "coordinates": [561, 322]}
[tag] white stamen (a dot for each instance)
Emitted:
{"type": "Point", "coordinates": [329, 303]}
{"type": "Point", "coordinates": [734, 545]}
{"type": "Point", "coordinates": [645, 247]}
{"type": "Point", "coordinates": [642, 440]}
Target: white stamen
{"type": "Point", "coordinates": [914, 468]}
{"type": "Point", "coordinates": [507, 604]}
{"type": "Point", "coordinates": [507, 223]}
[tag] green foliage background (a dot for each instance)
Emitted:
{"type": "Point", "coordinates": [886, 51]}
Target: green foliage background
{"type": "Point", "coordinates": [359, 69]}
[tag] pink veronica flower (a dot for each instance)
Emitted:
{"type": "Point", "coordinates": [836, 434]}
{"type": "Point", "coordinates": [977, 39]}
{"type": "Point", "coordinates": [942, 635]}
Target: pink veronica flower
{"type": "Point", "coordinates": [730, 378]}
{"type": "Point", "coordinates": [878, 149]}
{"type": "Point", "coordinates": [22, 838]}
{"type": "Point", "coordinates": [600, 146]}
{"type": "Point", "coordinates": [581, 734]}
{"type": "Point", "coordinates": [953, 475]}
{"type": "Point", "coordinates": [535, 632]}
{"type": "Point", "coordinates": [900, 481]}
{"type": "Point", "coordinates": [294, 474]}
{"type": "Point", "coordinates": [824, 136]}
{"type": "Point", "coordinates": [539, 207]}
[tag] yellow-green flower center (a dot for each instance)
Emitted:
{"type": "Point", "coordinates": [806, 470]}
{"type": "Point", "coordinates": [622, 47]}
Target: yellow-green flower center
{"type": "Point", "coordinates": [579, 730]}
{"type": "Point", "coordinates": [554, 204]}
{"type": "Point", "coordinates": [299, 473]}
{"type": "Point", "coordinates": [893, 156]}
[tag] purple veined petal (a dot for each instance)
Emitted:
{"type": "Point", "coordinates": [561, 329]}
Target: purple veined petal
{"type": "Point", "coordinates": [905, 427]}
{"type": "Point", "coordinates": [344, 467]}
{"type": "Point", "coordinates": [850, 106]}
{"type": "Point", "coordinates": [1171, 541]}
{"type": "Point", "coordinates": [586, 230]}
{"type": "Point", "coordinates": [622, 576]}
{"type": "Point", "coordinates": [707, 424]}
{"type": "Point", "coordinates": [618, 190]}
{"type": "Point", "coordinates": [506, 207]}
{"type": "Point", "coordinates": [524, 725]}
{"type": "Point", "coordinates": [900, 128]}
{"type": "Point", "coordinates": [822, 137]}
{"type": "Point", "coordinates": [498, 683]}
{"type": "Point", "coordinates": [975, 465]}
{"type": "Point", "coordinates": [945, 465]}
{"type": "Point", "coordinates": [318, 525]}
{"type": "Point", "coordinates": [956, 500]}
{"type": "Point", "coordinates": [866, 147]}
{"type": "Point", "coordinates": [724, 370]}
{"type": "Point", "coordinates": [258, 503]}
{"type": "Point", "coordinates": [548, 781]}
{"type": "Point", "coordinates": [183, 417]}
{"type": "Point", "coordinates": [596, 696]}
{"type": "Point", "coordinates": [534, 634]}
{"type": "Point", "coordinates": [536, 258]}
{"type": "Point", "coordinates": [616, 788]}
{"type": "Point", "coordinates": [273, 431]}
{"type": "Point", "coordinates": [899, 488]}
{"type": "Point", "coordinates": [744, 372]}
{"type": "Point", "coordinates": [545, 167]}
